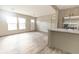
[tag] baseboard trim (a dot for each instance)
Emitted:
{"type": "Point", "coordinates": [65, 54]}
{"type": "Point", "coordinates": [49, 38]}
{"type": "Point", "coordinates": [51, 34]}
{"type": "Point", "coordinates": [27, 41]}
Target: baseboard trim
{"type": "Point", "coordinates": [16, 33]}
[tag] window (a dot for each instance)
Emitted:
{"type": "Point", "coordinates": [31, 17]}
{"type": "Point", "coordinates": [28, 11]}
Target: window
{"type": "Point", "coordinates": [32, 20]}
{"type": "Point", "coordinates": [12, 22]}
{"type": "Point", "coordinates": [32, 24]}
{"type": "Point", "coordinates": [21, 23]}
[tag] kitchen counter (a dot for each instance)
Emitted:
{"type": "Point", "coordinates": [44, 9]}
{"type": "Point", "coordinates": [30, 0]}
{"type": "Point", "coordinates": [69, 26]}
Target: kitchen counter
{"type": "Point", "coordinates": [66, 40]}
{"type": "Point", "coordinates": [65, 30]}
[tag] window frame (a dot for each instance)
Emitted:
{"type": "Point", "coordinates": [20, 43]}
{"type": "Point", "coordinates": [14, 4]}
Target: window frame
{"type": "Point", "coordinates": [21, 23]}
{"type": "Point", "coordinates": [8, 19]}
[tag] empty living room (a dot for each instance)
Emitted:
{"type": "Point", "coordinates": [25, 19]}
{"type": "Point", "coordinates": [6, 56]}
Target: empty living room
{"type": "Point", "coordinates": [39, 29]}
{"type": "Point", "coordinates": [24, 28]}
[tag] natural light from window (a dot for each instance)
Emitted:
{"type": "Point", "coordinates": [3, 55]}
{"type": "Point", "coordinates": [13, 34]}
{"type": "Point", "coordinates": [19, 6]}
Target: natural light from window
{"type": "Point", "coordinates": [32, 24]}
{"type": "Point", "coordinates": [12, 22]}
{"type": "Point", "coordinates": [21, 23]}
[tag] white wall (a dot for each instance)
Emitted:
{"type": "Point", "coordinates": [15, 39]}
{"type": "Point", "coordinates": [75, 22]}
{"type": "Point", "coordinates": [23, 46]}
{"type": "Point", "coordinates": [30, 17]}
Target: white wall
{"type": "Point", "coordinates": [47, 22]}
{"type": "Point", "coordinates": [43, 23]}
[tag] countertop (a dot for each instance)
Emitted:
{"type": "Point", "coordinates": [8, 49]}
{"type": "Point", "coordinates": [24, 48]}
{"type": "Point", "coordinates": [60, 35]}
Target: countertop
{"type": "Point", "coordinates": [65, 30]}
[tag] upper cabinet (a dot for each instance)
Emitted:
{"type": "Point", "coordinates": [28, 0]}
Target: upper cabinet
{"type": "Point", "coordinates": [75, 12]}
{"type": "Point", "coordinates": [65, 13]}
{"type": "Point", "coordinates": [71, 12]}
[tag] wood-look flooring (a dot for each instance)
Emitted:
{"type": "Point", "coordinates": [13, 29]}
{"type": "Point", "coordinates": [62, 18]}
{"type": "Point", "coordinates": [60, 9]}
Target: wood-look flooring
{"type": "Point", "coordinates": [25, 43]}
{"type": "Point", "coordinates": [31, 42]}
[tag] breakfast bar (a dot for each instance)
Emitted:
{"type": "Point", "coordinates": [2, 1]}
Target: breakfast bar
{"type": "Point", "coordinates": [65, 39]}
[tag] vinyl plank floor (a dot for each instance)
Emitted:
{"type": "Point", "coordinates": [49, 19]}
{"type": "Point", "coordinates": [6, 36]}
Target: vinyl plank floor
{"type": "Point", "coordinates": [24, 43]}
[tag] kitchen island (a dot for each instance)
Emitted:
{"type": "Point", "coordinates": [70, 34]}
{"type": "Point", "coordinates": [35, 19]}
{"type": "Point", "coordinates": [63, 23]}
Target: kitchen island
{"type": "Point", "coordinates": [66, 40]}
